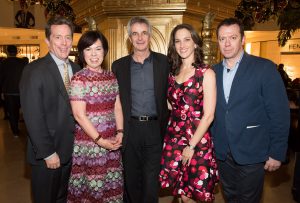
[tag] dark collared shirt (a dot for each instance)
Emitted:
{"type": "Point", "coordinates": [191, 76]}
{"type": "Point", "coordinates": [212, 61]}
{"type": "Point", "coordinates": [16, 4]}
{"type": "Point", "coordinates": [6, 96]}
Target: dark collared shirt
{"type": "Point", "coordinates": [142, 88]}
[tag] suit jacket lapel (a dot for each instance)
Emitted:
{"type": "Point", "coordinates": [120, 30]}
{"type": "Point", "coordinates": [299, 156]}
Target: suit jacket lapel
{"type": "Point", "coordinates": [53, 69]}
{"type": "Point", "coordinates": [220, 88]}
{"type": "Point", "coordinates": [127, 81]}
{"type": "Point", "coordinates": [157, 80]}
{"type": "Point", "coordinates": [240, 73]}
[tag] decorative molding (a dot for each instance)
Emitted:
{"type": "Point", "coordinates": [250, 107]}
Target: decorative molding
{"type": "Point", "coordinates": [109, 8]}
{"type": "Point", "coordinates": [112, 16]}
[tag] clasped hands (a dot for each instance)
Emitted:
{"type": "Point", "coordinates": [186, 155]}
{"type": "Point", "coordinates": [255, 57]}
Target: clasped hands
{"type": "Point", "coordinates": [111, 143]}
{"type": "Point", "coordinates": [115, 143]}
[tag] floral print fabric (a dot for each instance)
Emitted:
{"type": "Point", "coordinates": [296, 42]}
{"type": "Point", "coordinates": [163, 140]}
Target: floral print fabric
{"type": "Point", "coordinates": [196, 181]}
{"type": "Point", "coordinates": [96, 174]}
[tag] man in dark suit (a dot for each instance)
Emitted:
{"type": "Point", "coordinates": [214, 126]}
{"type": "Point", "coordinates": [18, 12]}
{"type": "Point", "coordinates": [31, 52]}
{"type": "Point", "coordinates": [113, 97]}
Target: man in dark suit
{"type": "Point", "coordinates": [48, 115]}
{"type": "Point", "coordinates": [142, 78]}
{"type": "Point", "coordinates": [10, 75]}
{"type": "Point", "coordinates": [251, 125]}
{"type": "Point", "coordinates": [296, 178]}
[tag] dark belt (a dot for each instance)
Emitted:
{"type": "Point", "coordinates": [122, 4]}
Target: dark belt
{"type": "Point", "coordinates": [144, 118]}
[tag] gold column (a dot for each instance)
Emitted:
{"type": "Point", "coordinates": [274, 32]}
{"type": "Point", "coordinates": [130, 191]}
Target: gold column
{"type": "Point", "coordinates": [209, 47]}
{"type": "Point", "coordinates": [111, 17]}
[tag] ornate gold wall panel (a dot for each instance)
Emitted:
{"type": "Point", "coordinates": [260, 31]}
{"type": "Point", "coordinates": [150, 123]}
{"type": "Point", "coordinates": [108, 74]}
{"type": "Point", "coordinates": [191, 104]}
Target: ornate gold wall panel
{"type": "Point", "coordinates": [112, 17]}
{"type": "Point", "coordinates": [115, 29]}
{"type": "Point", "coordinates": [100, 9]}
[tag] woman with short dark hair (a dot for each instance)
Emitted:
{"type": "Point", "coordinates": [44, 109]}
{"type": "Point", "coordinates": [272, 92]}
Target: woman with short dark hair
{"type": "Point", "coordinates": [96, 174]}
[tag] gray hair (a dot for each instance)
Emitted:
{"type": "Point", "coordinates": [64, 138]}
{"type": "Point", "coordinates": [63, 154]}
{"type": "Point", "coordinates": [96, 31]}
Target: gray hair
{"type": "Point", "coordinates": [138, 19]}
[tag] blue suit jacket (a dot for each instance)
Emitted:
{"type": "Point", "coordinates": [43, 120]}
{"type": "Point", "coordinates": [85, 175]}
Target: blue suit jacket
{"type": "Point", "coordinates": [254, 124]}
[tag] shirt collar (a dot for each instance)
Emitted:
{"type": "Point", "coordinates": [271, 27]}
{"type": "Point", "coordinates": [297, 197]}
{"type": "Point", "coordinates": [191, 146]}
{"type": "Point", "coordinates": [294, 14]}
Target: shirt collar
{"type": "Point", "coordinates": [236, 64]}
{"type": "Point", "coordinates": [148, 59]}
{"type": "Point", "coordinates": [58, 61]}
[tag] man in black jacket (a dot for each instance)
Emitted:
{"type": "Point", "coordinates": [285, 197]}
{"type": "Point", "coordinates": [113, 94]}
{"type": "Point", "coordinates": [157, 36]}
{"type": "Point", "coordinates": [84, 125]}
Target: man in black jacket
{"type": "Point", "coordinates": [296, 180]}
{"type": "Point", "coordinates": [142, 78]}
{"type": "Point", "coordinates": [11, 71]}
{"type": "Point", "coordinates": [48, 114]}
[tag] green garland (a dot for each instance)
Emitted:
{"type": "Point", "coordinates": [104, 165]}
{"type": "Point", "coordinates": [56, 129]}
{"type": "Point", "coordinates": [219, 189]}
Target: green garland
{"type": "Point", "coordinates": [288, 22]}
{"type": "Point", "coordinates": [286, 11]}
{"type": "Point", "coordinates": [58, 7]}
{"type": "Point", "coordinates": [55, 8]}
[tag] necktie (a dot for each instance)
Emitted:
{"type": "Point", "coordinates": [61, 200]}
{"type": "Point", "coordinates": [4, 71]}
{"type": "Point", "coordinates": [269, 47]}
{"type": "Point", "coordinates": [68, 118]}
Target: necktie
{"type": "Point", "coordinates": [66, 76]}
{"type": "Point", "coordinates": [227, 70]}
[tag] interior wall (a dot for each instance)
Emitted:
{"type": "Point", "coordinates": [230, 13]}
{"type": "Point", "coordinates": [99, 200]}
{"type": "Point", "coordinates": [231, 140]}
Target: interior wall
{"type": "Point", "coordinates": [6, 13]}
{"type": "Point", "coordinates": [265, 44]}
{"type": "Point", "coordinates": [8, 10]}
{"type": "Point", "coordinates": [270, 50]}
{"type": "Point", "coordinates": [291, 65]}
{"type": "Point", "coordinates": [112, 16]}
{"type": "Point", "coordinates": [115, 30]}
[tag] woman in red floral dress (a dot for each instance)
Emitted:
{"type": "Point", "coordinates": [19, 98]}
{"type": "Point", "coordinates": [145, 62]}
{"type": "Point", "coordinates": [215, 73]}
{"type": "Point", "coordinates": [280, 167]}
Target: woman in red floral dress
{"type": "Point", "coordinates": [188, 160]}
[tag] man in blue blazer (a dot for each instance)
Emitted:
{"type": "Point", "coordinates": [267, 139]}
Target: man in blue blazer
{"type": "Point", "coordinates": [251, 125]}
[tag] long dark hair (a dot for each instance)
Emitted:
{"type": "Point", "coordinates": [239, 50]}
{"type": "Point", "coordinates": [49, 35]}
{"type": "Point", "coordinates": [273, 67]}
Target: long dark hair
{"type": "Point", "coordinates": [174, 59]}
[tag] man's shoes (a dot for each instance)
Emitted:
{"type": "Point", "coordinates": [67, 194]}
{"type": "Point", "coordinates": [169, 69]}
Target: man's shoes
{"type": "Point", "coordinates": [16, 133]}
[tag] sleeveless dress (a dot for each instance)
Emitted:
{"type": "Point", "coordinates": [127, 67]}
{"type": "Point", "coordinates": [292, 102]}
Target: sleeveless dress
{"type": "Point", "coordinates": [96, 174]}
{"type": "Point", "coordinates": [198, 180]}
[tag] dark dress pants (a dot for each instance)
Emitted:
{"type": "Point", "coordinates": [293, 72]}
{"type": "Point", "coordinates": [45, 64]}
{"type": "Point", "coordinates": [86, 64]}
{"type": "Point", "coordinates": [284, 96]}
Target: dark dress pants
{"type": "Point", "coordinates": [12, 105]}
{"type": "Point", "coordinates": [141, 161]}
{"type": "Point", "coordinates": [241, 183]}
{"type": "Point", "coordinates": [3, 105]}
{"type": "Point", "coordinates": [50, 185]}
{"type": "Point", "coordinates": [296, 179]}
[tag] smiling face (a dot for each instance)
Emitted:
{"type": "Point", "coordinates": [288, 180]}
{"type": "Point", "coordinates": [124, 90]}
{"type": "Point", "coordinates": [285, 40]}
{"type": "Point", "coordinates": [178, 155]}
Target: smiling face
{"type": "Point", "coordinates": [94, 55]}
{"type": "Point", "coordinates": [230, 41]}
{"type": "Point", "coordinates": [60, 41]}
{"type": "Point", "coordinates": [140, 37]}
{"type": "Point", "coordinates": [184, 44]}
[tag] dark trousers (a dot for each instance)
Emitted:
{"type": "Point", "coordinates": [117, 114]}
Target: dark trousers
{"type": "Point", "coordinates": [141, 161]}
{"type": "Point", "coordinates": [50, 185]}
{"type": "Point", "coordinates": [296, 180]}
{"type": "Point", "coordinates": [241, 183]}
{"type": "Point", "coordinates": [3, 105]}
{"type": "Point", "coordinates": [12, 105]}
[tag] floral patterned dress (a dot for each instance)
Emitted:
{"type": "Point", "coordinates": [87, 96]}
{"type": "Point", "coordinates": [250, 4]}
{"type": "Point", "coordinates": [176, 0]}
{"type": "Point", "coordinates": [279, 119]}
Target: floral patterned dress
{"type": "Point", "coordinates": [196, 181]}
{"type": "Point", "coordinates": [96, 174]}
